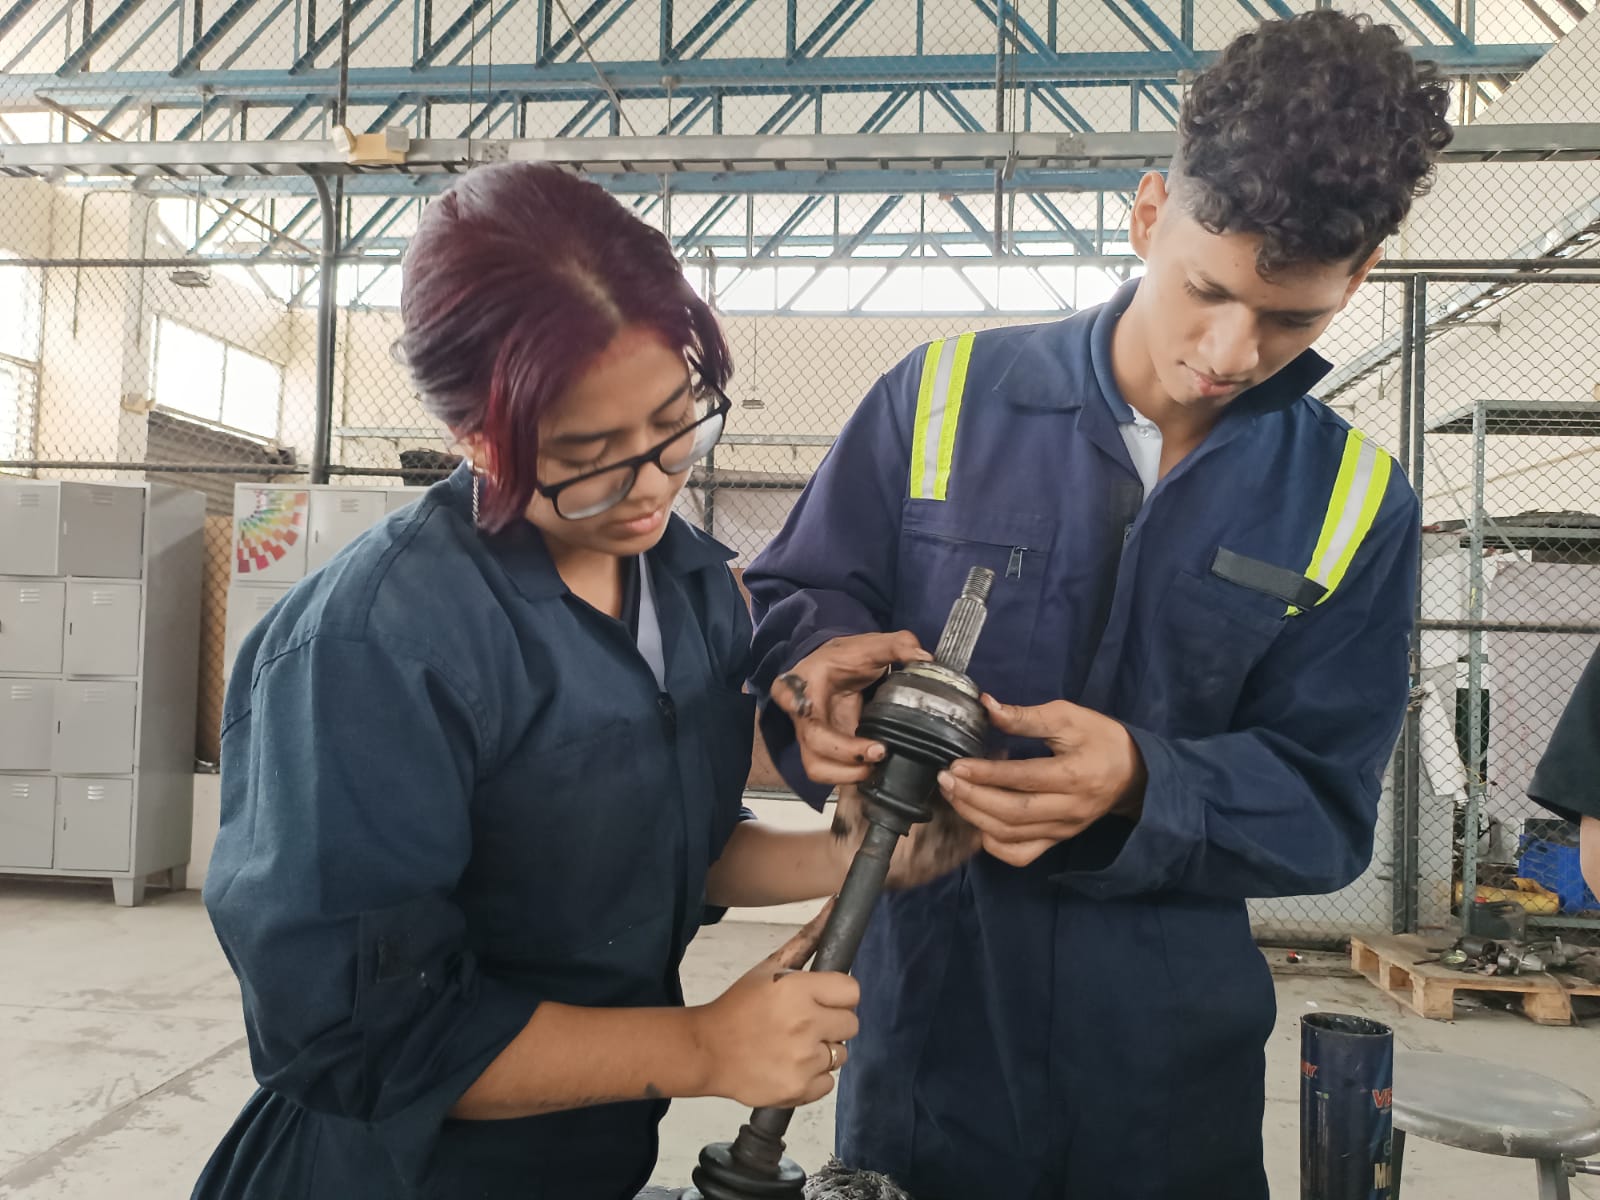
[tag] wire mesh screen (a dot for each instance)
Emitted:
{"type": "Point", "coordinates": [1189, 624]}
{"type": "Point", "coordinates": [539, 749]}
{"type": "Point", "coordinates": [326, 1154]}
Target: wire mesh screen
{"type": "Point", "coordinates": [1509, 453]}
{"type": "Point", "coordinates": [163, 321]}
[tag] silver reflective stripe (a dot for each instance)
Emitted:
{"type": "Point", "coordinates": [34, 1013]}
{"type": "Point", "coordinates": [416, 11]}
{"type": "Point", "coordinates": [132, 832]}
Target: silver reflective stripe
{"type": "Point", "coordinates": [1348, 528]}
{"type": "Point", "coordinates": [934, 432]}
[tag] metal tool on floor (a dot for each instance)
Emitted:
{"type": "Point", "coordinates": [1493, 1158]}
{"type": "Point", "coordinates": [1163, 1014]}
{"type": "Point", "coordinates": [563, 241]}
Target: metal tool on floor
{"type": "Point", "coordinates": [926, 715]}
{"type": "Point", "coordinates": [1489, 957]}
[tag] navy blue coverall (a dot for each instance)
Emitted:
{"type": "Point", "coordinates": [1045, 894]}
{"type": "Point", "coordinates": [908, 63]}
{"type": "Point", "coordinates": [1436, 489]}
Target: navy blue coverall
{"type": "Point", "coordinates": [450, 791]}
{"type": "Point", "coordinates": [1093, 1026]}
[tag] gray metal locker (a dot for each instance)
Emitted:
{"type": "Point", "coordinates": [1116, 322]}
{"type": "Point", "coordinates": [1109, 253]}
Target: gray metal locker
{"type": "Point", "coordinates": [247, 604]}
{"type": "Point", "coordinates": [102, 530]}
{"type": "Point", "coordinates": [338, 517]}
{"type": "Point", "coordinates": [94, 728]}
{"type": "Point", "coordinates": [27, 723]}
{"type": "Point", "coordinates": [397, 498]}
{"type": "Point", "coordinates": [27, 820]}
{"type": "Point", "coordinates": [30, 528]}
{"type": "Point", "coordinates": [31, 625]}
{"type": "Point", "coordinates": [102, 628]}
{"type": "Point", "coordinates": [100, 590]}
{"type": "Point", "coordinates": [94, 824]}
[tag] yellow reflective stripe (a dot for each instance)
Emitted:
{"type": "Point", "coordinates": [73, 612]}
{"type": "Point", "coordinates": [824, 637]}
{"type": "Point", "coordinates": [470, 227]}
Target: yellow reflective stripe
{"type": "Point", "coordinates": [933, 436]}
{"type": "Point", "coordinates": [1337, 502]}
{"type": "Point", "coordinates": [1370, 504]}
{"type": "Point", "coordinates": [919, 435]}
{"type": "Point", "coordinates": [952, 414]}
{"type": "Point", "coordinates": [1358, 492]}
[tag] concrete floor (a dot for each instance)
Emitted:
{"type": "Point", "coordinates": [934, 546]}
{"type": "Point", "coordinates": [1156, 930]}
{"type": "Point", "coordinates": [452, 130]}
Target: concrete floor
{"type": "Point", "coordinates": [122, 1055]}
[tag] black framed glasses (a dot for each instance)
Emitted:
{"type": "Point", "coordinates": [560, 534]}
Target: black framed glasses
{"type": "Point", "coordinates": [594, 492]}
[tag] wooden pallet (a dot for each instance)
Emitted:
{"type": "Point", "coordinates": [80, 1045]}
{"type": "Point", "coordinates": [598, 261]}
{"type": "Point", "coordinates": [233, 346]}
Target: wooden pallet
{"type": "Point", "coordinates": [1403, 967]}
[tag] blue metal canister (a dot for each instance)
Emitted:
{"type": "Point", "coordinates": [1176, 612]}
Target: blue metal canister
{"type": "Point", "coordinates": [1346, 1108]}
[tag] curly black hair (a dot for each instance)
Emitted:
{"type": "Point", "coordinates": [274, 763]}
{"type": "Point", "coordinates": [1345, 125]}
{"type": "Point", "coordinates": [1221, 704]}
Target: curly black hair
{"type": "Point", "coordinates": [1315, 133]}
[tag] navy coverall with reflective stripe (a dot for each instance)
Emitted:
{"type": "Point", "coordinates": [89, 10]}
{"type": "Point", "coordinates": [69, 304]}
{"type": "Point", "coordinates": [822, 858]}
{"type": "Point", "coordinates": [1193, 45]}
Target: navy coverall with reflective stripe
{"type": "Point", "coordinates": [1093, 1025]}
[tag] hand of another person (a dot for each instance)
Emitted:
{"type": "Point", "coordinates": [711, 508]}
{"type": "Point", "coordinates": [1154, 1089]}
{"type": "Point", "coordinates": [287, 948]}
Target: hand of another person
{"type": "Point", "coordinates": [777, 1035]}
{"type": "Point", "coordinates": [932, 849]}
{"type": "Point", "coordinates": [1023, 807]}
{"type": "Point", "coordinates": [822, 695]}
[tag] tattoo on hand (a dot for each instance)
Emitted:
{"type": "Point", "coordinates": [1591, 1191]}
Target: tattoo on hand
{"type": "Point", "coordinates": [797, 687]}
{"type": "Point", "coordinates": [652, 1092]}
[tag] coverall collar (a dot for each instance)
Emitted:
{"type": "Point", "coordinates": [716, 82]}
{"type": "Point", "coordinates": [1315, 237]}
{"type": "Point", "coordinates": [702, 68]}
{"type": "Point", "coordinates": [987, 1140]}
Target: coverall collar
{"type": "Point", "coordinates": [520, 549]}
{"type": "Point", "coordinates": [1052, 372]}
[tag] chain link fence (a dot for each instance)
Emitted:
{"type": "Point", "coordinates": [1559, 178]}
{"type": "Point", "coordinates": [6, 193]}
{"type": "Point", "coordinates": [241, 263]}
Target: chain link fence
{"type": "Point", "coordinates": [1483, 384]}
{"type": "Point", "coordinates": [174, 326]}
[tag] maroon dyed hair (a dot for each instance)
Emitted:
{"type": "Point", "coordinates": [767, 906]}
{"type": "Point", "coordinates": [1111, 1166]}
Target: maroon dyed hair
{"type": "Point", "coordinates": [517, 278]}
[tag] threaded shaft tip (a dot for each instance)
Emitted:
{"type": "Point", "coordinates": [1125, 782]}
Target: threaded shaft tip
{"type": "Point", "coordinates": [979, 581]}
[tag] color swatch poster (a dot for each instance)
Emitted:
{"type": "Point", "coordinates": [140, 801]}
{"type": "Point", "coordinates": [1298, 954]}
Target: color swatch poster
{"type": "Point", "coordinates": [269, 538]}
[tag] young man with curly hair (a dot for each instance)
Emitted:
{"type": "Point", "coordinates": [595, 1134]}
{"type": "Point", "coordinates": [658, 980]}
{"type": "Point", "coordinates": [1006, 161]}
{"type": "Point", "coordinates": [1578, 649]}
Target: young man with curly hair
{"type": "Point", "coordinates": [1198, 628]}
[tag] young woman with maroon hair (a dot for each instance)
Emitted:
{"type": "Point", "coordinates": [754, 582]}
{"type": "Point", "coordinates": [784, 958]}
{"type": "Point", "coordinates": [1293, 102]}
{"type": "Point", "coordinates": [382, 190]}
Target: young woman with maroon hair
{"type": "Point", "coordinates": [482, 773]}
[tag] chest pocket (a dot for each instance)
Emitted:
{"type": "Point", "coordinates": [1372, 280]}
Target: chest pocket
{"type": "Point", "coordinates": [939, 543]}
{"type": "Point", "coordinates": [1210, 634]}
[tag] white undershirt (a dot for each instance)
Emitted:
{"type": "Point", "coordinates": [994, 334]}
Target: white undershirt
{"type": "Point", "coordinates": [648, 638]}
{"type": "Point", "coordinates": [1143, 439]}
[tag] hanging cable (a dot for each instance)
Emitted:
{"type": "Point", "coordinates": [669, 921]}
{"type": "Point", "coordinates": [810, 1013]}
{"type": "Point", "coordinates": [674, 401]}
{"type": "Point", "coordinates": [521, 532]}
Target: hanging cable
{"type": "Point", "coordinates": [583, 42]}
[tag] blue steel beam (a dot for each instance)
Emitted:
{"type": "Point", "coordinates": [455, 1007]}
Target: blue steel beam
{"type": "Point", "coordinates": [220, 28]}
{"type": "Point", "coordinates": [375, 24]}
{"type": "Point", "coordinates": [266, 23]}
{"type": "Point", "coordinates": [778, 123]}
{"type": "Point", "coordinates": [293, 115]}
{"type": "Point", "coordinates": [150, 30]}
{"type": "Point", "coordinates": [377, 85]}
{"type": "Point", "coordinates": [1450, 29]}
{"type": "Point", "coordinates": [1400, 15]}
{"type": "Point", "coordinates": [361, 239]}
{"type": "Point", "coordinates": [101, 34]}
{"type": "Point", "coordinates": [460, 25]}
{"type": "Point", "coordinates": [382, 120]}
{"type": "Point", "coordinates": [735, 12]}
{"type": "Point", "coordinates": [1058, 221]}
{"type": "Point", "coordinates": [303, 64]}
{"type": "Point", "coordinates": [1162, 31]}
{"type": "Point", "coordinates": [834, 38]}
{"type": "Point", "coordinates": [946, 100]}
{"type": "Point", "coordinates": [14, 14]}
{"type": "Point", "coordinates": [43, 32]}
{"type": "Point", "coordinates": [869, 226]}
{"type": "Point", "coordinates": [1063, 109]}
{"type": "Point", "coordinates": [841, 12]}
{"type": "Point", "coordinates": [579, 25]}
{"type": "Point", "coordinates": [1024, 32]}
{"type": "Point", "coordinates": [590, 107]}
{"type": "Point", "coordinates": [196, 123]}
{"type": "Point", "coordinates": [804, 209]}
{"type": "Point", "coordinates": [848, 248]}
{"type": "Point", "coordinates": [680, 49]}
{"type": "Point", "coordinates": [612, 16]}
{"type": "Point", "coordinates": [485, 31]}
